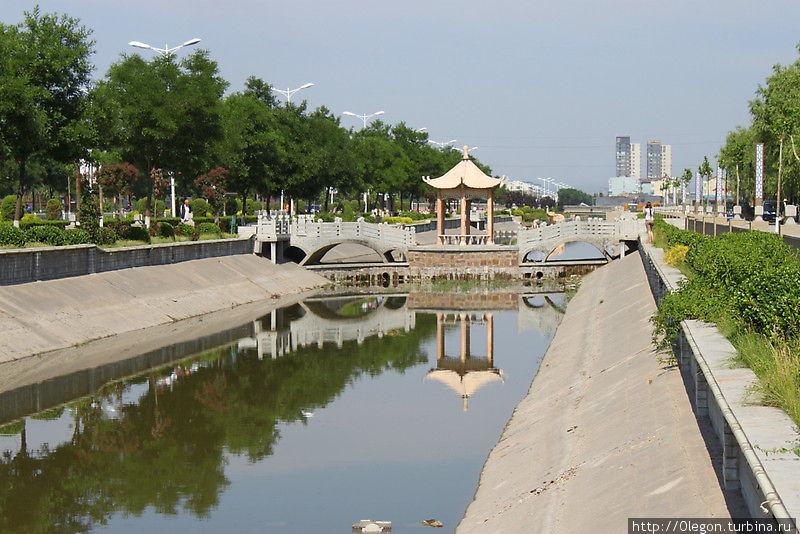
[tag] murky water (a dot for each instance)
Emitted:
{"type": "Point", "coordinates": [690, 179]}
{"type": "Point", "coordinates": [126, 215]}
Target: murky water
{"type": "Point", "coordinates": [316, 416]}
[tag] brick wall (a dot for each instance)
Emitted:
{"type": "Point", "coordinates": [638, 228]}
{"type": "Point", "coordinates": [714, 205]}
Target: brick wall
{"type": "Point", "coordinates": [456, 259]}
{"type": "Point", "coordinates": [463, 301]}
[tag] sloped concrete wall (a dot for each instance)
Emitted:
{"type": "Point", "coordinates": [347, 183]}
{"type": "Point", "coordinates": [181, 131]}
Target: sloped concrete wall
{"type": "Point", "coordinates": [43, 316]}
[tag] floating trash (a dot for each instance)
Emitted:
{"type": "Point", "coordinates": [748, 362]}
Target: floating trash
{"type": "Point", "coordinates": [368, 525]}
{"type": "Point", "coordinates": [432, 523]}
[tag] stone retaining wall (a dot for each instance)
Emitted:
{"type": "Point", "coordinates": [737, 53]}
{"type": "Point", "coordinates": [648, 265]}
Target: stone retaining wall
{"type": "Point", "coordinates": [463, 256]}
{"type": "Point", "coordinates": [21, 266]}
{"type": "Point", "coordinates": [756, 439]}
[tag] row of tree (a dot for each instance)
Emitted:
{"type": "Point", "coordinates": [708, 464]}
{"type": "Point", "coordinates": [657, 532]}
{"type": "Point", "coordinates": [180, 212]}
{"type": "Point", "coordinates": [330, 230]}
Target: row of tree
{"type": "Point", "coordinates": [775, 122]}
{"type": "Point", "coordinates": [148, 120]}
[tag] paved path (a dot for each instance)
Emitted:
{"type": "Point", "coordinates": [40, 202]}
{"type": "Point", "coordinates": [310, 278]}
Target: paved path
{"type": "Point", "coordinates": [606, 431]}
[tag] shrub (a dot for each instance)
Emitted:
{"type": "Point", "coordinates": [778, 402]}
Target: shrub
{"type": "Point", "coordinates": [165, 229]}
{"type": "Point", "coordinates": [397, 220]}
{"type": "Point", "coordinates": [750, 278]}
{"type": "Point", "coordinates": [199, 207]}
{"type": "Point", "coordinates": [76, 237]}
{"type": "Point", "coordinates": [370, 219]}
{"type": "Point", "coordinates": [53, 209]}
{"type": "Point", "coordinates": [104, 236]}
{"type": "Point", "coordinates": [50, 235]}
{"type": "Point", "coordinates": [348, 214]}
{"type": "Point", "coordinates": [11, 235]}
{"type": "Point", "coordinates": [7, 207]}
{"type": "Point", "coordinates": [517, 213]}
{"type": "Point", "coordinates": [209, 228]}
{"type": "Point", "coordinates": [676, 254]}
{"type": "Point", "coordinates": [233, 205]}
{"type": "Point", "coordinates": [325, 217]}
{"type": "Point", "coordinates": [29, 218]}
{"type": "Point", "coordinates": [134, 233]}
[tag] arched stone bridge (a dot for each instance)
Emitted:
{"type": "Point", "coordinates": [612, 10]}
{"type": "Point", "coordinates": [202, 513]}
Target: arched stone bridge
{"type": "Point", "coordinates": [602, 234]}
{"type": "Point", "coordinates": [308, 241]}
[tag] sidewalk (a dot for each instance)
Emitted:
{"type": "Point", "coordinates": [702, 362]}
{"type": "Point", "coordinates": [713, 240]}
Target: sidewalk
{"type": "Point", "coordinates": [606, 431]}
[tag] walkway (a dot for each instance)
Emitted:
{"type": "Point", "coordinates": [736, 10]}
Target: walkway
{"type": "Point", "coordinates": [606, 431]}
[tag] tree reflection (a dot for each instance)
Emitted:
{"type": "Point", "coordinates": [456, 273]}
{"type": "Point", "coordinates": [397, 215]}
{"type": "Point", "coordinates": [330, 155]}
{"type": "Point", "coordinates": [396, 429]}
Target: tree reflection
{"type": "Point", "coordinates": [166, 451]}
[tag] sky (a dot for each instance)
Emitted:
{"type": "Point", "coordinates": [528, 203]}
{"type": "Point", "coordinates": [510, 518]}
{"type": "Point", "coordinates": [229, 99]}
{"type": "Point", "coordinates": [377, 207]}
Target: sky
{"type": "Point", "coordinates": [540, 87]}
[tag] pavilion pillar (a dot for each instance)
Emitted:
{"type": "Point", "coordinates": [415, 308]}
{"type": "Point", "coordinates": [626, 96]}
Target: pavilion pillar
{"type": "Point", "coordinates": [464, 337]}
{"type": "Point", "coordinates": [464, 217]}
{"type": "Point", "coordinates": [490, 339]}
{"type": "Point", "coordinates": [490, 217]}
{"type": "Point", "coordinates": [439, 217]}
{"type": "Point", "coordinates": [439, 337]}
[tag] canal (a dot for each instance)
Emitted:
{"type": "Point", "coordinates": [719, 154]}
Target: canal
{"type": "Point", "coordinates": [307, 419]}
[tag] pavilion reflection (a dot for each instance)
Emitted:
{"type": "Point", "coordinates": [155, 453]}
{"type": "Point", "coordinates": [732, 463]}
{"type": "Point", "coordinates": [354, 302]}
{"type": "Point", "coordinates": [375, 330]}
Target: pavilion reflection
{"type": "Point", "coordinates": [466, 373]}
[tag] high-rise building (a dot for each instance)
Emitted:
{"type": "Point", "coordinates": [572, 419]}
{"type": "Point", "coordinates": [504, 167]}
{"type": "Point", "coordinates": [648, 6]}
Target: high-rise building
{"type": "Point", "coordinates": [666, 160]}
{"type": "Point", "coordinates": [624, 156]}
{"type": "Point", "coordinates": [659, 160]}
{"type": "Point", "coordinates": [636, 160]}
{"type": "Point", "coordinates": [629, 157]}
{"type": "Point", "coordinates": [653, 159]}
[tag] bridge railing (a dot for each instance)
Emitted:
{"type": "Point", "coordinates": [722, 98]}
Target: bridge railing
{"type": "Point", "coordinates": [623, 228]}
{"type": "Point", "coordinates": [388, 235]}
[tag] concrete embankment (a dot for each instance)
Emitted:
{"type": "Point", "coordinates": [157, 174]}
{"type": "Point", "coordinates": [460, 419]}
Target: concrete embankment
{"type": "Point", "coordinates": [606, 431]}
{"type": "Point", "coordinates": [44, 316]}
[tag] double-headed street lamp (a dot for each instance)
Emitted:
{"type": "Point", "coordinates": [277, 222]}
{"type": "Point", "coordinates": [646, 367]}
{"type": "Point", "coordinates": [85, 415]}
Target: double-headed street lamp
{"type": "Point", "coordinates": [442, 145]}
{"type": "Point", "coordinates": [288, 93]}
{"type": "Point", "coordinates": [364, 118]}
{"type": "Point", "coordinates": [166, 50]}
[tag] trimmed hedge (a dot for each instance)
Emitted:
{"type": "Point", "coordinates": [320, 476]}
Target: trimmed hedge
{"type": "Point", "coordinates": [49, 235]}
{"type": "Point", "coordinates": [209, 228]}
{"type": "Point", "coordinates": [750, 278]}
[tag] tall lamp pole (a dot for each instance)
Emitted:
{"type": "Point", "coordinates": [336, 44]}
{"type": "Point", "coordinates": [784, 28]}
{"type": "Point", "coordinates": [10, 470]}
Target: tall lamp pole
{"type": "Point", "coordinates": [288, 93]}
{"type": "Point", "coordinates": [166, 51]}
{"type": "Point", "coordinates": [364, 118]}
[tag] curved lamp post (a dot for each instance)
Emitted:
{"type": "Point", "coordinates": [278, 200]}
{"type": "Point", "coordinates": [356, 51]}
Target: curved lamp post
{"type": "Point", "coordinates": [364, 118]}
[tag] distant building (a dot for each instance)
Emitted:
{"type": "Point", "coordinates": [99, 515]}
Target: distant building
{"type": "Point", "coordinates": [646, 186]}
{"type": "Point", "coordinates": [636, 160]}
{"type": "Point", "coordinates": [629, 157]}
{"type": "Point", "coordinates": [623, 185]}
{"type": "Point", "coordinates": [659, 160]}
{"type": "Point", "coordinates": [521, 186]}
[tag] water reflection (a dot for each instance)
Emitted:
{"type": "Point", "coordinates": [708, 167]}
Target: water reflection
{"type": "Point", "coordinates": [465, 374]}
{"type": "Point", "coordinates": [177, 440]}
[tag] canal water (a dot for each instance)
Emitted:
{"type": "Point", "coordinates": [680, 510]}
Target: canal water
{"type": "Point", "coordinates": [308, 419]}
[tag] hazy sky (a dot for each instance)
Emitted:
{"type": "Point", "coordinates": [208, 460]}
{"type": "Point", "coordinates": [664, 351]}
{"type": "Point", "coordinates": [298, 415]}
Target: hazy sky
{"type": "Point", "coordinates": [542, 88]}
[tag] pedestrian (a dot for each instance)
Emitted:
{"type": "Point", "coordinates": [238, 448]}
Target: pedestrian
{"type": "Point", "coordinates": [648, 220]}
{"type": "Point", "coordinates": [187, 217]}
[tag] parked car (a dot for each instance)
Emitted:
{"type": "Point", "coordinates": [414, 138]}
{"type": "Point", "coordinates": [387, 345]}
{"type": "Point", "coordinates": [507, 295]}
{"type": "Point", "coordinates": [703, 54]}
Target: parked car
{"type": "Point", "coordinates": [769, 211]}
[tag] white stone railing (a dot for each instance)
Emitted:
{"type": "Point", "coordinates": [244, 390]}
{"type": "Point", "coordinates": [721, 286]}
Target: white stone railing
{"type": "Point", "coordinates": [461, 239]}
{"type": "Point", "coordinates": [385, 234]}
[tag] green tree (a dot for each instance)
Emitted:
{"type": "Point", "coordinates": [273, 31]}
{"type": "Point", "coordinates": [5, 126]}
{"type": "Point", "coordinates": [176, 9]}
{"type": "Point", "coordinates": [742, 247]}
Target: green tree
{"type": "Point", "coordinates": [569, 196]}
{"type": "Point", "coordinates": [162, 114]}
{"type": "Point", "coordinates": [44, 77]}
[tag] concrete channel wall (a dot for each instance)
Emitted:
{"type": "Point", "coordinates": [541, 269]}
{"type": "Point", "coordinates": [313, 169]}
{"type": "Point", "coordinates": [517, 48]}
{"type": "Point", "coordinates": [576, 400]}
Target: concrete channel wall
{"type": "Point", "coordinates": [756, 439]}
{"type": "Point", "coordinates": [21, 266]}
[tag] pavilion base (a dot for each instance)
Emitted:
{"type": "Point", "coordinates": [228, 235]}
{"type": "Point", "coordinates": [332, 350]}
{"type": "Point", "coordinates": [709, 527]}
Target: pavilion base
{"type": "Point", "coordinates": [463, 256]}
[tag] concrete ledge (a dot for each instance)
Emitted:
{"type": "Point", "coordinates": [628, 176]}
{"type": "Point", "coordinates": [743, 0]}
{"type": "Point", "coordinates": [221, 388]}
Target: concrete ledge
{"type": "Point", "coordinates": [19, 266]}
{"type": "Point", "coordinates": [754, 438]}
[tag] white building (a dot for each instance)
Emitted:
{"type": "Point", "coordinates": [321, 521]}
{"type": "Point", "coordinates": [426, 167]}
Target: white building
{"type": "Point", "coordinates": [666, 160]}
{"type": "Point", "coordinates": [636, 160]}
{"type": "Point", "coordinates": [521, 186]}
{"type": "Point", "coordinates": [623, 185]}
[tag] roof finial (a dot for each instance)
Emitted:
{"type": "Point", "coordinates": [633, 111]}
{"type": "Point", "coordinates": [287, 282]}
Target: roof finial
{"type": "Point", "coordinates": [466, 151]}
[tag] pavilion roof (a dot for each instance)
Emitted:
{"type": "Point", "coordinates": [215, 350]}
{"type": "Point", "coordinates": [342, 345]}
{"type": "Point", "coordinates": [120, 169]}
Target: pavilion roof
{"type": "Point", "coordinates": [465, 385]}
{"type": "Point", "coordinates": [464, 173]}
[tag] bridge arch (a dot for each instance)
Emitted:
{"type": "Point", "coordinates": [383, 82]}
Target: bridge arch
{"type": "Point", "coordinates": [547, 249]}
{"type": "Point", "coordinates": [315, 255]}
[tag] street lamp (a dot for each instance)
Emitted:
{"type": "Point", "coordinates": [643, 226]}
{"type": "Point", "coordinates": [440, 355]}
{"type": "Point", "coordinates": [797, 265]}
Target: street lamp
{"type": "Point", "coordinates": [288, 93]}
{"type": "Point", "coordinates": [442, 145]}
{"type": "Point", "coordinates": [166, 50]}
{"type": "Point", "coordinates": [364, 118]}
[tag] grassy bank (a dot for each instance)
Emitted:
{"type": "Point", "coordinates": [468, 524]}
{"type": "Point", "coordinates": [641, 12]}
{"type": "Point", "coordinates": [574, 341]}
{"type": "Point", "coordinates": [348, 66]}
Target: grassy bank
{"type": "Point", "coordinates": [748, 284]}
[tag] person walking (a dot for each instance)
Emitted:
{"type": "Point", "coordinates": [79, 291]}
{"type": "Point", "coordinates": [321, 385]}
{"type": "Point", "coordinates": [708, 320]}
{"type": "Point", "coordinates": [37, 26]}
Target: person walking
{"type": "Point", "coordinates": [187, 217]}
{"type": "Point", "coordinates": [648, 220]}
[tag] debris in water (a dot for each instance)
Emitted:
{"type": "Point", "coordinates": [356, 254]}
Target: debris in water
{"type": "Point", "coordinates": [368, 525]}
{"type": "Point", "coordinates": [432, 523]}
